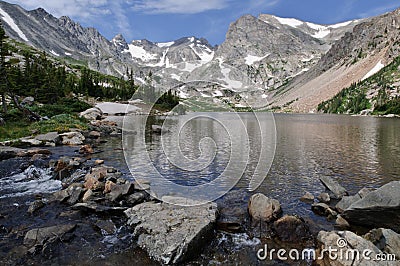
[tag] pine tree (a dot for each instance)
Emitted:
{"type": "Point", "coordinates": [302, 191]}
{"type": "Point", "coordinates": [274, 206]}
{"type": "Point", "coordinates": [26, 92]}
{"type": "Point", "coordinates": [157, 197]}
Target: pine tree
{"type": "Point", "coordinates": [4, 51]}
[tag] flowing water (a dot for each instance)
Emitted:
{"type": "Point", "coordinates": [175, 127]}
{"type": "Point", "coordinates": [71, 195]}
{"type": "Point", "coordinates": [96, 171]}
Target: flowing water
{"type": "Point", "coordinates": [356, 151]}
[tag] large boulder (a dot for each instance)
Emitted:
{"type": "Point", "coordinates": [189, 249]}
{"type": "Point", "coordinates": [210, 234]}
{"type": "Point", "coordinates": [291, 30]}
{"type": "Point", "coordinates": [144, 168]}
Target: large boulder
{"type": "Point", "coordinates": [379, 208]}
{"type": "Point", "coordinates": [72, 138]}
{"type": "Point", "coordinates": [49, 139]}
{"type": "Point", "coordinates": [172, 234]}
{"type": "Point", "coordinates": [348, 244]}
{"type": "Point", "coordinates": [333, 186]}
{"type": "Point", "coordinates": [92, 114]}
{"type": "Point", "coordinates": [262, 208]}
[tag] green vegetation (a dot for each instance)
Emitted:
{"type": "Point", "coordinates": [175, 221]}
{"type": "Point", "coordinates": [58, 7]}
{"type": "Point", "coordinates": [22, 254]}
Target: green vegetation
{"type": "Point", "coordinates": [60, 88]}
{"type": "Point", "coordinates": [383, 92]}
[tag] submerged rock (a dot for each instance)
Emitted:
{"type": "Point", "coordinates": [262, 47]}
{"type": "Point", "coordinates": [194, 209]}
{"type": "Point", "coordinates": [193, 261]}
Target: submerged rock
{"type": "Point", "coordinates": [379, 208]}
{"type": "Point", "coordinates": [41, 236]}
{"type": "Point", "coordinates": [333, 186]}
{"type": "Point", "coordinates": [323, 210]}
{"type": "Point", "coordinates": [172, 234]}
{"type": "Point", "coordinates": [262, 208]}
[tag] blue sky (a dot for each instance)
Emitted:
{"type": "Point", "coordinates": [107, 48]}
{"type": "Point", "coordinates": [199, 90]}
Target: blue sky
{"type": "Point", "coordinates": [167, 20]}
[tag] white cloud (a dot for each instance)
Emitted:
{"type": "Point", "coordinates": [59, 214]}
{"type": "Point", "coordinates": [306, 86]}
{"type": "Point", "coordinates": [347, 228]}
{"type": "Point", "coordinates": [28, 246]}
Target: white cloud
{"type": "Point", "coordinates": [73, 8]}
{"type": "Point", "coordinates": [178, 6]}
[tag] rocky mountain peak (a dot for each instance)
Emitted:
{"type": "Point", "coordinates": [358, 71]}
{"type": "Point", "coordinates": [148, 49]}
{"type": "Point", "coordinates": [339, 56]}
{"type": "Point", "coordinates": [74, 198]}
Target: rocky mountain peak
{"type": "Point", "coordinates": [120, 42]}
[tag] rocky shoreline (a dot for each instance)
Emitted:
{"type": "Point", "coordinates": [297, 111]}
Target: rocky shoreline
{"type": "Point", "coordinates": [95, 203]}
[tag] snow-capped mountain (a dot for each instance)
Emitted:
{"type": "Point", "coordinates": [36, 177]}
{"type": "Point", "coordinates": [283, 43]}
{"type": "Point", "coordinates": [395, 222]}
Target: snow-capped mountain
{"type": "Point", "coordinates": [262, 58]}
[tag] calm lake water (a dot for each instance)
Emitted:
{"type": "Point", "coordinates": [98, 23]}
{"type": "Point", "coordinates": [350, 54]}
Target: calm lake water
{"type": "Point", "coordinates": [356, 151]}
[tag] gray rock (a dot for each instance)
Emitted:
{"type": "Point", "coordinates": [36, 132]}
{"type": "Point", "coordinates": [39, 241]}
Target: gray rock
{"type": "Point", "coordinates": [100, 209]}
{"type": "Point", "coordinates": [333, 186]}
{"type": "Point", "coordinates": [291, 229]}
{"type": "Point", "coordinates": [324, 198]}
{"type": "Point", "coordinates": [41, 236]}
{"type": "Point", "coordinates": [92, 114]}
{"type": "Point", "coordinates": [51, 137]}
{"type": "Point", "coordinates": [136, 198]}
{"type": "Point", "coordinates": [118, 191]}
{"type": "Point", "coordinates": [107, 227]}
{"type": "Point", "coordinates": [9, 152]}
{"type": "Point", "coordinates": [364, 192]}
{"type": "Point", "coordinates": [341, 223]}
{"type": "Point", "coordinates": [308, 197]}
{"type": "Point", "coordinates": [262, 208]}
{"type": "Point", "coordinates": [379, 208]}
{"type": "Point", "coordinates": [28, 101]}
{"type": "Point", "coordinates": [346, 201]}
{"type": "Point", "coordinates": [386, 240]}
{"type": "Point", "coordinates": [75, 191]}
{"type": "Point", "coordinates": [172, 234]}
{"type": "Point", "coordinates": [72, 138]}
{"type": "Point", "coordinates": [346, 242]}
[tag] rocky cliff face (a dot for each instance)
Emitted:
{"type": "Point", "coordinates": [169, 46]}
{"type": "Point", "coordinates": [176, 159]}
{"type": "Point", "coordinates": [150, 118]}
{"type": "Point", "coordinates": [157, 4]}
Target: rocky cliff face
{"type": "Point", "coordinates": [365, 50]}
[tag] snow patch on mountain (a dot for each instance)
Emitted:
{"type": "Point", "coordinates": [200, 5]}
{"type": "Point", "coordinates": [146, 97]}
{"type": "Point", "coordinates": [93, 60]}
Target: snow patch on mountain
{"type": "Point", "coordinates": [292, 22]}
{"type": "Point", "coordinates": [6, 17]}
{"type": "Point", "coordinates": [251, 59]}
{"type": "Point", "coordinates": [374, 70]}
{"type": "Point", "coordinates": [165, 44]}
{"type": "Point", "coordinates": [140, 53]}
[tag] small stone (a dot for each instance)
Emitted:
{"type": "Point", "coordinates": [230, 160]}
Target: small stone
{"type": "Point", "coordinates": [93, 183]}
{"type": "Point", "coordinates": [86, 149]}
{"type": "Point", "coordinates": [35, 206]}
{"type": "Point", "coordinates": [106, 227]}
{"type": "Point", "coordinates": [94, 134]}
{"type": "Point", "coordinates": [99, 162]}
{"type": "Point", "coordinates": [308, 197]}
{"type": "Point", "coordinates": [109, 187]}
{"type": "Point", "coordinates": [324, 198]}
{"type": "Point", "coordinates": [72, 138]}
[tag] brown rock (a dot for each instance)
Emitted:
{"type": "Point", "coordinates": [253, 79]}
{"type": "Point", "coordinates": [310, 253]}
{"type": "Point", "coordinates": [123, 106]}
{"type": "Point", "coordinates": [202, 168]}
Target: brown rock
{"type": "Point", "coordinates": [93, 183]}
{"type": "Point", "coordinates": [86, 149]}
{"type": "Point", "coordinates": [99, 162]}
{"type": "Point", "coordinates": [109, 187]}
{"type": "Point", "coordinates": [291, 229]}
{"type": "Point", "coordinates": [308, 197]}
{"type": "Point", "coordinates": [261, 207]}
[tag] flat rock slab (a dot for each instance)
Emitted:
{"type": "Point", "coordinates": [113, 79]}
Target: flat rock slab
{"type": "Point", "coordinates": [40, 236]}
{"type": "Point", "coordinates": [333, 186]}
{"type": "Point", "coordinates": [9, 152]}
{"type": "Point", "coordinates": [171, 234]}
{"type": "Point", "coordinates": [379, 208]}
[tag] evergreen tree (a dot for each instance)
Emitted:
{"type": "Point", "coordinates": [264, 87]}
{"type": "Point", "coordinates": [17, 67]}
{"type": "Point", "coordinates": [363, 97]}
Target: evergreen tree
{"type": "Point", "coordinates": [4, 51]}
